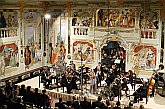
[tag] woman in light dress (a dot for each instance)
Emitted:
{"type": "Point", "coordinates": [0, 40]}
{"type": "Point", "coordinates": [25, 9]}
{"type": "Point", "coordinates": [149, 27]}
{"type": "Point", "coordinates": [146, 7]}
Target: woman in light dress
{"type": "Point", "coordinates": [93, 84]}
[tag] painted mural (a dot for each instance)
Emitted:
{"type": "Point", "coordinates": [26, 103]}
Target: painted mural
{"type": "Point", "coordinates": [11, 18]}
{"type": "Point", "coordinates": [9, 57]}
{"type": "Point", "coordinates": [83, 50]}
{"type": "Point", "coordinates": [30, 16]}
{"type": "Point", "coordinates": [116, 18]}
{"type": "Point", "coordinates": [32, 51]}
{"type": "Point", "coordinates": [143, 57]}
{"type": "Point", "coordinates": [32, 54]}
{"type": "Point", "coordinates": [149, 19]}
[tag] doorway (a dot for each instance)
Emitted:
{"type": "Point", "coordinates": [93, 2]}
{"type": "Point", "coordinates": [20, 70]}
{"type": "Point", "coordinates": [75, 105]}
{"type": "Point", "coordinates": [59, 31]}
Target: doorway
{"type": "Point", "coordinates": [113, 54]}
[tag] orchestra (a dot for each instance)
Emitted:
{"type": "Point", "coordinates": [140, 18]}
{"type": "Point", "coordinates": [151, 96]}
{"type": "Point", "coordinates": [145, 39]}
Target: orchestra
{"type": "Point", "coordinates": [116, 80]}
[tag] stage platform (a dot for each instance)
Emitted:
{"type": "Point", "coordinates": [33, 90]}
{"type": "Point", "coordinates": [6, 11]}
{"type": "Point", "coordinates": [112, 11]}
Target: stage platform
{"type": "Point", "coordinates": [57, 93]}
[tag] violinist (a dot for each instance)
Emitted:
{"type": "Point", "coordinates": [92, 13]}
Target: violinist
{"type": "Point", "coordinates": [141, 92]}
{"type": "Point", "coordinates": [45, 78]}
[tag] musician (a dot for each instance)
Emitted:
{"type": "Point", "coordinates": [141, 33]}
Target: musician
{"type": "Point", "coordinates": [45, 78]}
{"type": "Point", "coordinates": [141, 92]}
{"type": "Point", "coordinates": [99, 73]}
{"type": "Point", "coordinates": [84, 70]}
{"type": "Point", "coordinates": [72, 66]}
{"type": "Point", "coordinates": [110, 77]}
{"type": "Point", "coordinates": [132, 78]}
{"type": "Point", "coordinates": [117, 86]}
{"type": "Point", "coordinates": [69, 84]}
{"type": "Point", "coordinates": [116, 69]}
{"type": "Point", "coordinates": [158, 75]}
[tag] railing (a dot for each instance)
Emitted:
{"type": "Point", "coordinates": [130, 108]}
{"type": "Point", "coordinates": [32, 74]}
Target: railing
{"type": "Point", "coordinates": [80, 30]}
{"type": "Point", "coordinates": [8, 32]}
{"type": "Point", "coordinates": [148, 34]}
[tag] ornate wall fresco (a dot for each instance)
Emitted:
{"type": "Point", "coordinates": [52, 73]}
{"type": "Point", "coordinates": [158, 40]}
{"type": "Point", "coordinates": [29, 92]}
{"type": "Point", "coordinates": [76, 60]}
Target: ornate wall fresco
{"type": "Point", "coordinates": [116, 17]}
{"type": "Point", "coordinates": [83, 50]}
{"type": "Point", "coordinates": [11, 18]}
{"type": "Point", "coordinates": [32, 52]}
{"type": "Point", "coordinates": [149, 19]}
{"type": "Point", "coordinates": [9, 57]}
{"type": "Point", "coordinates": [143, 57]}
{"type": "Point", "coordinates": [30, 16]}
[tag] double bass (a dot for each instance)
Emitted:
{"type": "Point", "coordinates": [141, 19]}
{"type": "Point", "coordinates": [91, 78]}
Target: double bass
{"type": "Point", "coordinates": [151, 85]}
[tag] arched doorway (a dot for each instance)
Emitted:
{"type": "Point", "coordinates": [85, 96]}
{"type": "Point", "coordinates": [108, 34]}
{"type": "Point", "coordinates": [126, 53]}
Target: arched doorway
{"type": "Point", "coordinates": [114, 50]}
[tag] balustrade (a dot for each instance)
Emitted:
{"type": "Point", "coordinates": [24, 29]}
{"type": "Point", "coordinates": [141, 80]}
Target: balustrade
{"type": "Point", "coordinates": [148, 34]}
{"type": "Point", "coordinates": [80, 31]}
{"type": "Point", "coordinates": [8, 32]}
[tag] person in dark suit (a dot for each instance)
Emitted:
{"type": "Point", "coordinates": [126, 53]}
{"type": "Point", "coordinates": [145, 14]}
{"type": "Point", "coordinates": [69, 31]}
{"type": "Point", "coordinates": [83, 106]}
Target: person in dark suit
{"type": "Point", "coordinates": [18, 104]}
{"type": "Point", "coordinates": [2, 98]}
{"type": "Point", "coordinates": [99, 73]}
{"type": "Point", "coordinates": [22, 90]}
{"type": "Point", "coordinates": [28, 96]}
{"type": "Point", "coordinates": [8, 89]}
{"type": "Point", "coordinates": [44, 99]}
{"type": "Point", "coordinates": [110, 77]}
{"type": "Point", "coordinates": [60, 104]}
{"type": "Point", "coordinates": [45, 78]}
{"type": "Point", "coordinates": [36, 97]}
{"type": "Point", "coordinates": [98, 104]}
{"type": "Point", "coordinates": [85, 104]}
{"type": "Point", "coordinates": [75, 103]}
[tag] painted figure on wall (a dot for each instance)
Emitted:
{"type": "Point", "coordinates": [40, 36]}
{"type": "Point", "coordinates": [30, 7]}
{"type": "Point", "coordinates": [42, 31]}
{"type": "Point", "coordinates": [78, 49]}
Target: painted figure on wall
{"type": "Point", "coordinates": [144, 57]}
{"type": "Point", "coordinates": [2, 63]}
{"type": "Point", "coordinates": [37, 51]}
{"type": "Point", "coordinates": [55, 54]}
{"type": "Point", "coordinates": [30, 16]}
{"type": "Point", "coordinates": [27, 56]}
{"type": "Point", "coordinates": [149, 19]}
{"type": "Point", "coordinates": [62, 49]}
{"type": "Point", "coordinates": [116, 18]}
{"type": "Point", "coordinates": [82, 50]}
{"type": "Point", "coordinates": [9, 57]}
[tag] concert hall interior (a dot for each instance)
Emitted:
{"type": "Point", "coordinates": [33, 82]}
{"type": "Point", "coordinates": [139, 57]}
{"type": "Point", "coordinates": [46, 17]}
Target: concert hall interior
{"type": "Point", "coordinates": [82, 54]}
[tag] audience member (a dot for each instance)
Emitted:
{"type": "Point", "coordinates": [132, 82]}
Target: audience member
{"type": "Point", "coordinates": [75, 103]}
{"type": "Point", "coordinates": [2, 98]}
{"type": "Point", "coordinates": [85, 104]}
{"type": "Point", "coordinates": [44, 99]}
{"type": "Point", "coordinates": [98, 104]}
{"type": "Point", "coordinates": [22, 90]}
{"type": "Point", "coordinates": [36, 97]}
{"type": "Point", "coordinates": [60, 104]}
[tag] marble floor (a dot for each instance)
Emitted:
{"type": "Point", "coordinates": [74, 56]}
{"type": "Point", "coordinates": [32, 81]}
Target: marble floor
{"type": "Point", "coordinates": [156, 102]}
